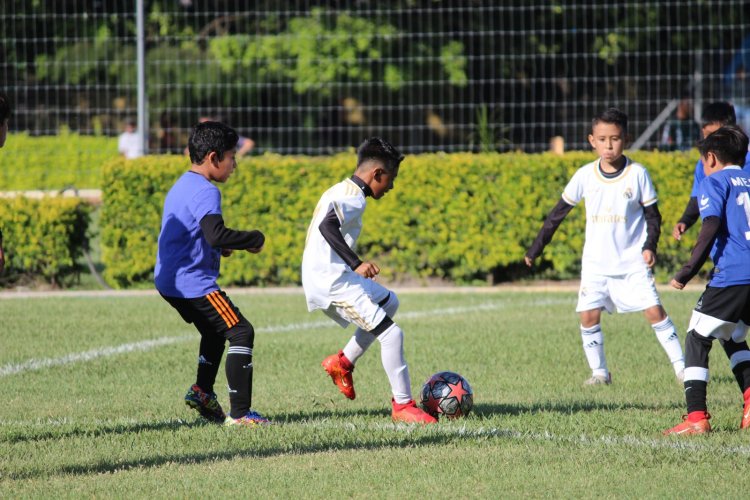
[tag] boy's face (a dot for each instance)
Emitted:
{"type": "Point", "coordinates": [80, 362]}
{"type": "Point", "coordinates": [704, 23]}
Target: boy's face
{"type": "Point", "coordinates": [710, 128]}
{"type": "Point", "coordinates": [382, 181]}
{"type": "Point", "coordinates": [225, 167]}
{"type": "Point", "coordinates": [608, 141]}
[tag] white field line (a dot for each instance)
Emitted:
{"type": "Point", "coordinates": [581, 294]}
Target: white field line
{"type": "Point", "coordinates": [147, 345]}
{"type": "Point", "coordinates": [679, 444]}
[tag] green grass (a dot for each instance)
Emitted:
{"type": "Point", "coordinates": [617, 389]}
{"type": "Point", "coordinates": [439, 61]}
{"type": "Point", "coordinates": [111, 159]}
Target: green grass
{"type": "Point", "coordinates": [116, 425]}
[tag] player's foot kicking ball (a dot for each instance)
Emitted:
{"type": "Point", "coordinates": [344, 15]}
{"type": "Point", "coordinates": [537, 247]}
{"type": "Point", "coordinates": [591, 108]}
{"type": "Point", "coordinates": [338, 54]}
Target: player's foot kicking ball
{"type": "Point", "coordinates": [205, 403]}
{"type": "Point", "coordinates": [409, 413]}
{"type": "Point", "coordinates": [340, 369]}
{"type": "Point", "coordinates": [694, 423]}
{"type": "Point", "coordinates": [598, 380]}
{"type": "Point", "coordinates": [250, 419]}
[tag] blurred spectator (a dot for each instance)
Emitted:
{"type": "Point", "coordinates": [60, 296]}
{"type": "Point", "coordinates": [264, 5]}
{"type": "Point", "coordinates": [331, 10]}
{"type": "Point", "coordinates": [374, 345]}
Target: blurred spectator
{"type": "Point", "coordinates": [681, 132]}
{"type": "Point", "coordinates": [737, 81]}
{"type": "Point", "coordinates": [130, 143]}
{"type": "Point", "coordinates": [244, 144]}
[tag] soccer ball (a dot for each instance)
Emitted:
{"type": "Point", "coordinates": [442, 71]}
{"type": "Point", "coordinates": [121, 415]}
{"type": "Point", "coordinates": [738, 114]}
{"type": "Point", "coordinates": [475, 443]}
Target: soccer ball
{"type": "Point", "coordinates": [447, 393]}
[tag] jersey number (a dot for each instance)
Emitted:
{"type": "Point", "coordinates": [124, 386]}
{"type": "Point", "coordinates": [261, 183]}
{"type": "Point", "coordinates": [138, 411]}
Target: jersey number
{"type": "Point", "coordinates": [743, 199]}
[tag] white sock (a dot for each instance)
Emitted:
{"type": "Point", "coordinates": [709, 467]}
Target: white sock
{"type": "Point", "coordinates": [362, 340]}
{"type": "Point", "coordinates": [593, 347]}
{"type": "Point", "coordinates": [358, 344]}
{"type": "Point", "coordinates": [392, 355]}
{"type": "Point", "coordinates": [670, 342]}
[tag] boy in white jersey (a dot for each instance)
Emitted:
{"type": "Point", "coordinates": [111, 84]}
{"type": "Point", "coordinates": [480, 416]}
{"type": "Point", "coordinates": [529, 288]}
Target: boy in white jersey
{"type": "Point", "coordinates": [622, 231]}
{"type": "Point", "coordinates": [337, 281]}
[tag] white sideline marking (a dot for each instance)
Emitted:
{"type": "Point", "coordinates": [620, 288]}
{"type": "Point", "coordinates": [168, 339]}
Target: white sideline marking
{"type": "Point", "coordinates": [666, 443]}
{"type": "Point", "coordinates": [147, 345]}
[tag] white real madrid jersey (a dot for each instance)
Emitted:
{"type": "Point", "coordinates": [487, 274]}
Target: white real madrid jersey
{"type": "Point", "coordinates": [615, 223]}
{"type": "Point", "coordinates": [321, 265]}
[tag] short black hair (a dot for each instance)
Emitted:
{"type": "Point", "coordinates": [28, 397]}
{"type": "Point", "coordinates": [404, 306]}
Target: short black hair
{"type": "Point", "coordinates": [4, 107]}
{"type": "Point", "coordinates": [721, 112]}
{"type": "Point", "coordinates": [729, 144]}
{"type": "Point", "coordinates": [613, 116]}
{"type": "Point", "coordinates": [376, 148]}
{"type": "Point", "coordinates": [211, 136]}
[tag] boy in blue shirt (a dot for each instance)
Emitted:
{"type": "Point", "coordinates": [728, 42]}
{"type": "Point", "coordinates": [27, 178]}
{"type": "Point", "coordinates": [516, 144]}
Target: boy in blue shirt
{"type": "Point", "coordinates": [723, 311]}
{"type": "Point", "coordinates": [716, 115]}
{"type": "Point", "coordinates": [192, 241]}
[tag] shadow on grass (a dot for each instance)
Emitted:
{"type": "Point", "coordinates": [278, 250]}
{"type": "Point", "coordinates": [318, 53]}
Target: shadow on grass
{"type": "Point", "coordinates": [570, 408]}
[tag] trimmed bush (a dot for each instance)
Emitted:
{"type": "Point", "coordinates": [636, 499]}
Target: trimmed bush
{"type": "Point", "coordinates": [43, 238]}
{"type": "Point", "coordinates": [54, 162]}
{"type": "Point", "coordinates": [463, 217]}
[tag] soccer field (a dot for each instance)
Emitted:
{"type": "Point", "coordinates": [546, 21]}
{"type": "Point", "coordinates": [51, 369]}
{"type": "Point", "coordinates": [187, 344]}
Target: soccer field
{"type": "Point", "coordinates": [93, 406]}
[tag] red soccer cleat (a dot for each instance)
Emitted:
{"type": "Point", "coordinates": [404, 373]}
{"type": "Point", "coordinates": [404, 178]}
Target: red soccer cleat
{"type": "Point", "coordinates": [340, 369]}
{"type": "Point", "coordinates": [745, 423]}
{"type": "Point", "coordinates": [694, 423]}
{"type": "Point", "coordinates": [409, 413]}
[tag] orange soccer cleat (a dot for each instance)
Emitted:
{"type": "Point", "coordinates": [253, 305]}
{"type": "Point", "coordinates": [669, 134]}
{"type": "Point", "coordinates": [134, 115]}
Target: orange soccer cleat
{"type": "Point", "coordinates": [693, 423]}
{"type": "Point", "coordinates": [340, 369]}
{"type": "Point", "coordinates": [745, 423]}
{"type": "Point", "coordinates": [409, 413]}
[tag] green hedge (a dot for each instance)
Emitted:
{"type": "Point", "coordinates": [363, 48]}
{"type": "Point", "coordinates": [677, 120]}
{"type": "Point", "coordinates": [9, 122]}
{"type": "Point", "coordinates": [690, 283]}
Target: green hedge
{"type": "Point", "coordinates": [463, 217]}
{"type": "Point", "coordinates": [43, 238]}
{"type": "Point", "coordinates": [54, 162]}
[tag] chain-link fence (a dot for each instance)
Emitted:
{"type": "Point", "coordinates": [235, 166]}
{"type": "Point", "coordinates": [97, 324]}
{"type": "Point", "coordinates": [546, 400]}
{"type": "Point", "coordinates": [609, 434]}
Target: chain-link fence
{"type": "Point", "coordinates": [315, 77]}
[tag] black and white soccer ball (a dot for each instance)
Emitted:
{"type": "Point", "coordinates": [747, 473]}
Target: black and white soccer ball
{"type": "Point", "coordinates": [447, 393]}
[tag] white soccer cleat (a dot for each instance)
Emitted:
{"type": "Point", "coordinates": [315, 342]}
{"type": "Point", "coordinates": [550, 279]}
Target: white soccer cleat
{"type": "Point", "coordinates": [599, 380]}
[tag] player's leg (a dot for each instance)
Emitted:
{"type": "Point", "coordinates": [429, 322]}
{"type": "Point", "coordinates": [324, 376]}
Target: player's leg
{"type": "Point", "coordinates": [593, 347]}
{"type": "Point", "coordinates": [362, 340]}
{"type": "Point", "coordinates": [593, 296]}
{"type": "Point", "coordinates": [716, 316]}
{"type": "Point", "coordinates": [666, 333]}
{"type": "Point", "coordinates": [637, 292]}
{"type": "Point", "coordinates": [201, 396]}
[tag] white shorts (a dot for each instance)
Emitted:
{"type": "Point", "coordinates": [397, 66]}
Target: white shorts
{"type": "Point", "coordinates": [625, 293]}
{"type": "Point", "coordinates": [355, 299]}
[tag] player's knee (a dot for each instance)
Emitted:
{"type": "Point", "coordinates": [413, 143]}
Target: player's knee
{"type": "Point", "coordinates": [390, 304]}
{"type": "Point", "coordinates": [242, 334]}
{"type": "Point", "coordinates": [384, 325]}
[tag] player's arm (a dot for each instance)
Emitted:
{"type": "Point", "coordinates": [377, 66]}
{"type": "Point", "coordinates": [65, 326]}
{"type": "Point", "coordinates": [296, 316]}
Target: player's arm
{"type": "Point", "coordinates": [219, 236]}
{"type": "Point", "coordinates": [688, 218]}
{"type": "Point", "coordinates": [698, 256]}
{"type": "Point", "coordinates": [653, 231]}
{"type": "Point", "coordinates": [330, 228]}
{"type": "Point", "coordinates": [551, 223]}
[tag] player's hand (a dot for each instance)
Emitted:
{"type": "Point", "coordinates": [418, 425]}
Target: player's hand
{"type": "Point", "coordinates": [649, 258]}
{"type": "Point", "coordinates": [226, 252]}
{"type": "Point", "coordinates": [528, 260]}
{"type": "Point", "coordinates": [678, 230]}
{"type": "Point", "coordinates": [676, 284]}
{"type": "Point", "coordinates": [367, 269]}
{"type": "Point", "coordinates": [255, 250]}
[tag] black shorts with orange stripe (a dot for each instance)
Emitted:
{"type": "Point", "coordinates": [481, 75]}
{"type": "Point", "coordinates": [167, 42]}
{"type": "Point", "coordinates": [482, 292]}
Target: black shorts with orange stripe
{"type": "Point", "coordinates": [213, 311]}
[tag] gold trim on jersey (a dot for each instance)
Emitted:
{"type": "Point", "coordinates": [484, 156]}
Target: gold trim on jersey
{"type": "Point", "coordinates": [600, 177]}
{"type": "Point", "coordinates": [649, 202]}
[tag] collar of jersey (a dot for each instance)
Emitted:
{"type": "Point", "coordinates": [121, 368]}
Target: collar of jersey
{"type": "Point", "coordinates": [608, 180]}
{"type": "Point", "coordinates": [361, 185]}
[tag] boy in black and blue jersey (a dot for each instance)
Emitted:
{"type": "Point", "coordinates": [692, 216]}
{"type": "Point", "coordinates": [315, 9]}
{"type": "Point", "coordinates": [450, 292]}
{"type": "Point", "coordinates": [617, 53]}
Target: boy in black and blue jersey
{"type": "Point", "coordinates": [723, 311]}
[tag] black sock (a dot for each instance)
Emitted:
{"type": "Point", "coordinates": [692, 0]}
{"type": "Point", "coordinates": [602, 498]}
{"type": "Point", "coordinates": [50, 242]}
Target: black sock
{"type": "Point", "coordinates": [695, 395]}
{"type": "Point", "coordinates": [741, 370]}
{"type": "Point", "coordinates": [209, 360]}
{"type": "Point", "coordinates": [239, 370]}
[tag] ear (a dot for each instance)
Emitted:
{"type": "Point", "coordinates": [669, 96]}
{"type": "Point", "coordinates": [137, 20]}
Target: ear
{"type": "Point", "coordinates": [591, 141]}
{"type": "Point", "coordinates": [710, 160]}
{"type": "Point", "coordinates": [212, 157]}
